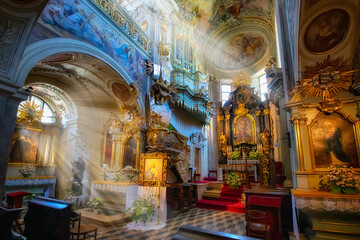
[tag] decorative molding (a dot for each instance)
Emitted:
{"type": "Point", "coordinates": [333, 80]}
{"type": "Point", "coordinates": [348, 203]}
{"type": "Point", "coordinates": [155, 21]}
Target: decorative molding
{"type": "Point", "coordinates": [114, 12]}
{"type": "Point", "coordinates": [9, 33]}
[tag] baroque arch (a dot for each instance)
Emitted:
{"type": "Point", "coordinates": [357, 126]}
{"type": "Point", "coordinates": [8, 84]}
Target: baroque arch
{"type": "Point", "coordinates": [36, 52]}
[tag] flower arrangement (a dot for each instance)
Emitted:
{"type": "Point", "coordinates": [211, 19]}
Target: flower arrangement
{"type": "Point", "coordinates": [233, 180]}
{"type": "Point", "coordinates": [235, 155]}
{"type": "Point", "coordinates": [95, 203]}
{"type": "Point", "coordinates": [27, 170]}
{"type": "Point", "coordinates": [341, 179]}
{"type": "Point", "coordinates": [253, 155]}
{"type": "Point", "coordinates": [143, 209]}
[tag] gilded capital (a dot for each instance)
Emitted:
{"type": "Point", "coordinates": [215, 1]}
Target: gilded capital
{"type": "Point", "coordinates": [267, 111]}
{"type": "Point", "coordinates": [258, 112]}
{"type": "Point", "coordinates": [227, 117]}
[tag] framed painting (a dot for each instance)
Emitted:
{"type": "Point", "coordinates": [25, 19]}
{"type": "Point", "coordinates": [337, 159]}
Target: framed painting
{"type": "Point", "coordinates": [153, 167]}
{"type": "Point", "coordinates": [24, 146]}
{"type": "Point", "coordinates": [333, 141]}
{"type": "Point", "coordinates": [327, 30]}
{"type": "Point", "coordinates": [107, 149]}
{"type": "Point", "coordinates": [244, 130]}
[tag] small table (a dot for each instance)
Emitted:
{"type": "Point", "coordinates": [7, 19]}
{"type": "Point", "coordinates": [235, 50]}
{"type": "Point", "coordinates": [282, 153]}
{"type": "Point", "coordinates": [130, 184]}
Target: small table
{"type": "Point", "coordinates": [15, 199]}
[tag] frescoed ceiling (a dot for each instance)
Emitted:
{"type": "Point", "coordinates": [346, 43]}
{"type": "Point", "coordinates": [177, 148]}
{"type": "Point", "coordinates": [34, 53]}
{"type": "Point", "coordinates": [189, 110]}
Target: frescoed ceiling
{"type": "Point", "coordinates": [238, 33]}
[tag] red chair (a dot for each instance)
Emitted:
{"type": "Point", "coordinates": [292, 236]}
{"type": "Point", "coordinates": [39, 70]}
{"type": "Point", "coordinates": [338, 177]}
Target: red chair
{"type": "Point", "coordinates": [212, 176]}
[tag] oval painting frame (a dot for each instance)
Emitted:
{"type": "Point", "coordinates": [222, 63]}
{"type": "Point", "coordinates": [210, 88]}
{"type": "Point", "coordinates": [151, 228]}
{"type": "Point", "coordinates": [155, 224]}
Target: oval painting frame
{"type": "Point", "coordinates": [121, 91]}
{"type": "Point", "coordinates": [327, 30]}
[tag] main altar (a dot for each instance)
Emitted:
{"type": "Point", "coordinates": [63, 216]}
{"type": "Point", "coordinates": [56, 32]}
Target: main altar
{"type": "Point", "coordinates": [245, 136]}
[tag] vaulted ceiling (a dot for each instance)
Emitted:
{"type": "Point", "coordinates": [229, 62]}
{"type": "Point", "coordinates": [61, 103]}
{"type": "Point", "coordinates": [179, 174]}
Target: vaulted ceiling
{"type": "Point", "coordinates": [239, 34]}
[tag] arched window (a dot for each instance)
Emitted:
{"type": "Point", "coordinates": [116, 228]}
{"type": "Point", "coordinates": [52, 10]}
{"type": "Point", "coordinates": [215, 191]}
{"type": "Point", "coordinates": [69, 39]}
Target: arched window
{"type": "Point", "coordinates": [48, 114]}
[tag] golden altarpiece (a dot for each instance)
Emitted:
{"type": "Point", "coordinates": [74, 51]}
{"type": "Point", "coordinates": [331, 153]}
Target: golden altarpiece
{"type": "Point", "coordinates": [325, 115]}
{"type": "Point", "coordinates": [244, 125]}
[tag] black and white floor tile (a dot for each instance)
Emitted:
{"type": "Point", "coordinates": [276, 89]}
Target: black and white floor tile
{"type": "Point", "coordinates": [206, 219]}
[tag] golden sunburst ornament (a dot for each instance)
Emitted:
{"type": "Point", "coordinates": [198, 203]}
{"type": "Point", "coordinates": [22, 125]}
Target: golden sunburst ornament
{"type": "Point", "coordinates": [327, 78]}
{"type": "Point", "coordinates": [29, 113]}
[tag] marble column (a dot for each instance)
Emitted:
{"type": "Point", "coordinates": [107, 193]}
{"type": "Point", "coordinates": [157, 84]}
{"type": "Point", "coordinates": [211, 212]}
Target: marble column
{"type": "Point", "coordinates": [8, 110]}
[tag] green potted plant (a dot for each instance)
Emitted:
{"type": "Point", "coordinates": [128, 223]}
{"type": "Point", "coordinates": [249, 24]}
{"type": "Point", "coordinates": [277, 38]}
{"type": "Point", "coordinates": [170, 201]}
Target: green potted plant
{"type": "Point", "coordinates": [95, 204]}
{"type": "Point", "coordinates": [143, 209]}
{"type": "Point", "coordinates": [235, 155]}
{"type": "Point", "coordinates": [233, 180]}
{"type": "Point", "coordinates": [253, 155]}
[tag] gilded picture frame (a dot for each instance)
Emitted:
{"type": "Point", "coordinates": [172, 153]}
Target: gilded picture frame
{"type": "Point", "coordinates": [107, 148]}
{"type": "Point", "coordinates": [237, 130]}
{"type": "Point", "coordinates": [25, 146]}
{"type": "Point", "coordinates": [334, 138]}
{"type": "Point", "coordinates": [153, 167]}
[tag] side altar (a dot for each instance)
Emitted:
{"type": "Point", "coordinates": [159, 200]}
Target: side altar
{"type": "Point", "coordinates": [325, 116]}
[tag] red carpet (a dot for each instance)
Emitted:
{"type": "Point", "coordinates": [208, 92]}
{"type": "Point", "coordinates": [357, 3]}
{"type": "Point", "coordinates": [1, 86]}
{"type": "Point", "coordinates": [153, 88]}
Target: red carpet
{"type": "Point", "coordinates": [230, 200]}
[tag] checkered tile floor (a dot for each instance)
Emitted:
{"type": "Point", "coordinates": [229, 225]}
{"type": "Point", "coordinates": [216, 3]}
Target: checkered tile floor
{"type": "Point", "coordinates": [206, 219]}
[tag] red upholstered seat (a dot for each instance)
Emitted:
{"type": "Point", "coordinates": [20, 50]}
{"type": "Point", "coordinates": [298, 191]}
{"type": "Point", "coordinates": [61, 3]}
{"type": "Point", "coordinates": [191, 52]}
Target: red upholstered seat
{"type": "Point", "coordinates": [15, 194]}
{"type": "Point", "coordinates": [15, 199]}
{"type": "Point", "coordinates": [264, 201]}
{"type": "Point", "coordinates": [212, 176]}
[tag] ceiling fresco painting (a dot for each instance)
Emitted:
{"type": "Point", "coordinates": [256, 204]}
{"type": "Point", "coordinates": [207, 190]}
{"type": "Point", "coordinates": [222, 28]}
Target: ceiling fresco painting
{"type": "Point", "coordinates": [233, 40]}
{"type": "Point", "coordinates": [241, 50]}
{"type": "Point", "coordinates": [327, 30]}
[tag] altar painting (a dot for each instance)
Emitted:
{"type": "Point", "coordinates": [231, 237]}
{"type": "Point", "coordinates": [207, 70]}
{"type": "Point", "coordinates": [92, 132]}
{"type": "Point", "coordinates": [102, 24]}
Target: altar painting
{"type": "Point", "coordinates": [107, 149]}
{"type": "Point", "coordinates": [243, 130]}
{"type": "Point", "coordinates": [153, 168]}
{"type": "Point", "coordinates": [130, 153]}
{"type": "Point", "coordinates": [333, 141]}
{"type": "Point", "coordinates": [24, 146]}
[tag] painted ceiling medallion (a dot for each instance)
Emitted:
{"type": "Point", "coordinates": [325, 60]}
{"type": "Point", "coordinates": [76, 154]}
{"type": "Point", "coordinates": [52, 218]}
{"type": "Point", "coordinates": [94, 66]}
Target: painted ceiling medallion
{"type": "Point", "coordinates": [121, 91]}
{"type": "Point", "coordinates": [327, 30]}
{"type": "Point", "coordinates": [241, 50]}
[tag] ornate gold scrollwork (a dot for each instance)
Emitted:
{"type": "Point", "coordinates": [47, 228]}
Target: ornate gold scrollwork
{"type": "Point", "coordinates": [267, 111]}
{"type": "Point", "coordinates": [265, 162]}
{"type": "Point", "coordinates": [241, 110]}
{"type": "Point", "coordinates": [330, 105]}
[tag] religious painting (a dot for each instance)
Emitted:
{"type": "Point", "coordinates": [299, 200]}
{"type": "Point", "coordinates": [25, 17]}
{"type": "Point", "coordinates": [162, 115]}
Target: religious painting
{"type": "Point", "coordinates": [76, 20]}
{"type": "Point", "coordinates": [327, 30]}
{"type": "Point", "coordinates": [333, 141]}
{"type": "Point", "coordinates": [242, 50]}
{"type": "Point", "coordinates": [244, 130]}
{"type": "Point", "coordinates": [130, 153]}
{"type": "Point", "coordinates": [153, 168]}
{"type": "Point", "coordinates": [121, 91]}
{"type": "Point", "coordinates": [24, 146]}
{"type": "Point", "coordinates": [107, 148]}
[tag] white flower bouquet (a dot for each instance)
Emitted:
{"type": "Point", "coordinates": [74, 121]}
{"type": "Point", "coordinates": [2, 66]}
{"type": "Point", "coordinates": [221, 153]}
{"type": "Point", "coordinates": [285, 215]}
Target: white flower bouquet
{"type": "Point", "coordinates": [27, 170]}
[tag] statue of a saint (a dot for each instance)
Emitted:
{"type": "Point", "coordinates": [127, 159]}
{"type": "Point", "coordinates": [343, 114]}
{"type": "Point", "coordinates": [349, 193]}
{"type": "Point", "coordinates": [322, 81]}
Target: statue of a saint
{"type": "Point", "coordinates": [78, 168]}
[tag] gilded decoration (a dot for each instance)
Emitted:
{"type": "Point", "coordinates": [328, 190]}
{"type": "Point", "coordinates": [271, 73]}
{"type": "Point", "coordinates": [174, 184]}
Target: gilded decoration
{"type": "Point", "coordinates": [265, 164]}
{"type": "Point", "coordinates": [241, 110]}
{"type": "Point", "coordinates": [153, 168]}
{"type": "Point", "coordinates": [334, 141]}
{"type": "Point", "coordinates": [265, 141]}
{"type": "Point", "coordinates": [125, 23]}
{"type": "Point", "coordinates": [29, 114]}
{"type": "Point", "coordinates": [163, 92]}
{"type": "Point", "coordinates": [324, 79]}
{"type": "Point", "coordinates": [223, 143]}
